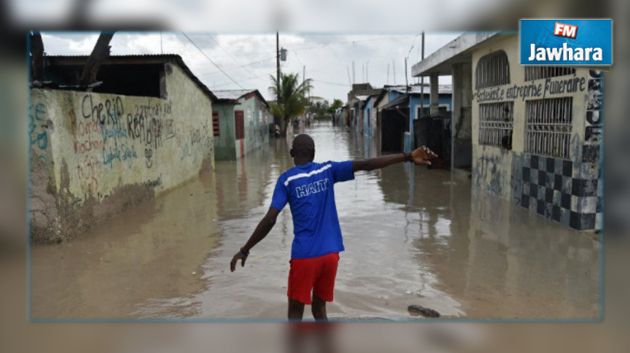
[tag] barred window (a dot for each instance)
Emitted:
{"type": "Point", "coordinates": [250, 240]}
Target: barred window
{"type": "Point", "coordinates": [492, 70]}
{"type": "Point", "coordinates": [495, 124]}
{"type": "Point", "coordinates": [538, 72]}
{"type": "Point", "coordinates": [215, 124]}
{"type": "Point", "coordinates": [548, 127]}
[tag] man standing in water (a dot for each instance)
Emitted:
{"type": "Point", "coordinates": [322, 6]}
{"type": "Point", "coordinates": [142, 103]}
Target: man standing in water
{"type": "Point", "coordinates": [308, 188]}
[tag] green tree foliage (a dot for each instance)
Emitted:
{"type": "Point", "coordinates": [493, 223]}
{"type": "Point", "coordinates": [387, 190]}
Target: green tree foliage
{"type": "Point", "coordinates": [319, 108]}
{"type": "Point", "coordinates": [336, 104]}
{"type": "Point", "coordinates": [291, 98]}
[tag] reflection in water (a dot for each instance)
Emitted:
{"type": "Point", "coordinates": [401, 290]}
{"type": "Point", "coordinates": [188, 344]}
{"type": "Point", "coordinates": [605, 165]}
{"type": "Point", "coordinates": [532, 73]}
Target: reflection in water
{"type": "Point", "coordinates": [151, 253]}
{"type": "Point", "coordinates": [412, 236]}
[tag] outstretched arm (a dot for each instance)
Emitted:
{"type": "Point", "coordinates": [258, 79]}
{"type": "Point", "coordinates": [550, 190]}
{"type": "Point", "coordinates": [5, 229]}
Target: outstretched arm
{"type": "Point", "coordinates": [262, 229]}
{"type": "Point", "coordinates": [421, 155]}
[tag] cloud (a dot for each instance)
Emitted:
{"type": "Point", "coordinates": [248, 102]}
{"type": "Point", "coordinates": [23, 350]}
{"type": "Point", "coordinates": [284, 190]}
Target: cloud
{"type": "Point", "coordinates": [250, 58]}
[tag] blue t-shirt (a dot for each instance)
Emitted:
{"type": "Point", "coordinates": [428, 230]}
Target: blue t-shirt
{"type": "Point", "coordinates": [308, 189]}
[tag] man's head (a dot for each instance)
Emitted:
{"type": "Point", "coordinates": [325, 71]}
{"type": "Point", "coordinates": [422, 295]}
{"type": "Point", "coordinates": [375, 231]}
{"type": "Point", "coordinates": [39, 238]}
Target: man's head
{"type": "Point", "coordinates": [303, 149]}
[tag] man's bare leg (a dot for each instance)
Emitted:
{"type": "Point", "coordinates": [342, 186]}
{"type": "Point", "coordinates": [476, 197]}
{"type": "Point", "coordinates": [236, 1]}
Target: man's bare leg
{"type": "Point", "coordinates": [318, 308]}
{"type": "Point", "coordinates": [296, 310]}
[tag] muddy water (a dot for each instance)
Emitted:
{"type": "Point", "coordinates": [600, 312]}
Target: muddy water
{"type": "Point", "coordinates": [412, 236]}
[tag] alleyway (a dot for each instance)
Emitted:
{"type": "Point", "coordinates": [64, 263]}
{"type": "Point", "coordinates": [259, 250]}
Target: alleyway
{"type": "Point", "coordinates": [412, 236]}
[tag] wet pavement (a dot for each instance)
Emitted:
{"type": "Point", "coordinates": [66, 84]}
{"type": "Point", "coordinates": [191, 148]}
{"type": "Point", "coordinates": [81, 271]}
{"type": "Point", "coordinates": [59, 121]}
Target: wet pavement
{"type": "Point", "coordinates": [413, 236]}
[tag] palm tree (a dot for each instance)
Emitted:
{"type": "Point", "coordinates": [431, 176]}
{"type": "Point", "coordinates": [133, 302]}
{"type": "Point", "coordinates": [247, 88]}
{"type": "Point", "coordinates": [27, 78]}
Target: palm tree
{"type": "Point", "coordinates": [291, 98]}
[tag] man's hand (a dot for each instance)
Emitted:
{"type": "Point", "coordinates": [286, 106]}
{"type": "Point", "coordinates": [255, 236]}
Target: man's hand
{"type": "Point", "coordinates": [423, 155]}
{"type": "Point", "coordinates": [238, 256]}
{"type": "Point", "coordinates": [261, 231]}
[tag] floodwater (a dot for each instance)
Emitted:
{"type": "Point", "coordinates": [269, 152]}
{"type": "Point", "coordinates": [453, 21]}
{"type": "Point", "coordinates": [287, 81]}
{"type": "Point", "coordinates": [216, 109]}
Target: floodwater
{"type": "Point", "coordinates": [412, 236]}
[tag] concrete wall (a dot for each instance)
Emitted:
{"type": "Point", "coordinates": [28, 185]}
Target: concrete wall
{"type": "Point", "coordinates": [369, 118]}
{"type": "Point", "coordinates": [567, 190]}
{"type": "Point", "coordinates": [93, 155]}
{"type": "Point", "coordinates": [461, 115]}
{"type": "Point", "coordinates": [224, 147]}
{"type": "Point", "coordinates": [257, 119]}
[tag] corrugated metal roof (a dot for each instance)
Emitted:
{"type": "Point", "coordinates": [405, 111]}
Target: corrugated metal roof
{"type": "Point", "coordinates": [402, 100]}
{"type": "Point", "coordinates": [232, 94]}
{"type": "Point", "coordinates": [79, 56]}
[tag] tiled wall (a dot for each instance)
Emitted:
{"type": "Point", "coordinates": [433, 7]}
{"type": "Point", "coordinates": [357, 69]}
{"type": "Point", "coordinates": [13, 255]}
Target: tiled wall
{"type": "Point", "coordinates": [569, 192]}
{"type": "Point", "coordinates": [560, 190]}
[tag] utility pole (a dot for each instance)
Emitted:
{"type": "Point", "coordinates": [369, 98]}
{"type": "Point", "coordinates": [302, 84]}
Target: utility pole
{"type": "Point", "coordinates": [411, 129]}
{"type": "Point", "coordinates": [353, 77]}
{"type": "Point", "coordinates": [278, 65]}
{"type": "Point", "coordinates": [394, 70]}
{"type": "Point", "coordinates": [349, 78]}
{"type": "Point", "coordinates": [406, 79]}
{"type": "Point", "coordinates": [387, 81]}
{"type": "Point", "coordinates": [363, 72]}
{"type": "Point", "coordinates": [422, 79]}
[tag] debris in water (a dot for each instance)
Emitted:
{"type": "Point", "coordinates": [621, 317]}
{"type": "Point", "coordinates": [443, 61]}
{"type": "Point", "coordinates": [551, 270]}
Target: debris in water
{"type": "Point", "coordinates": [415, 310]}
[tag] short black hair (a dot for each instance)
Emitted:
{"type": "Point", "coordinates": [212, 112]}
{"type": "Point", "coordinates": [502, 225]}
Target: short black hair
{"type": "Point", "coordinates": [303, 146]}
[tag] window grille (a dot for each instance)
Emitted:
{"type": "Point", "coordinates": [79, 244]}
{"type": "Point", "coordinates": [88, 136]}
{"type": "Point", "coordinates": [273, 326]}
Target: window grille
{"type": "Point", "coordinates": [492, 70]}
{"type": "Point", "coordinates": [538, 72]}
{"type": "Point", "coordinates": [548, 127]}
{"type": "Point", "coordinates": [495, 124]}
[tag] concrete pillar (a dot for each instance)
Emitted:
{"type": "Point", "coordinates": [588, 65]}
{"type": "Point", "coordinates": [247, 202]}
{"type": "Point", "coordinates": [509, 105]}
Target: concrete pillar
{"type": "Point", "coordinates": [455, 107]}
{"type": "Point", "coordinates": [433, 111]}
{"type": "Point", "coordinates": [461, 116]}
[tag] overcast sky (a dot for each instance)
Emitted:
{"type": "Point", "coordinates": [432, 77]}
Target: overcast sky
{"type": "Point", "coordinates": [248, 60]}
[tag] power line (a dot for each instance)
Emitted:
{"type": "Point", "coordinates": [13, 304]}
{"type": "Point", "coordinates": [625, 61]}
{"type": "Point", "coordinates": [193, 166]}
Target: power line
{"type": "Point", "coordinates": [237, 66]}
{"type": "Point", "coordinates": [230, 55]}
{"type": "Point", "coordinates": [330, 83]}
{"type": "Point", "coordinates": [223, 84]}
{"type": "Point", "coordinates": [345, 42]}
{"type": "Point", "coordinates": [413, 42]}
{"type": "Point", "coordinates": [212, 61]}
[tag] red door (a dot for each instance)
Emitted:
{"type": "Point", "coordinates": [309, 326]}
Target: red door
{"type": "Point", "coordinates": [239, 121]}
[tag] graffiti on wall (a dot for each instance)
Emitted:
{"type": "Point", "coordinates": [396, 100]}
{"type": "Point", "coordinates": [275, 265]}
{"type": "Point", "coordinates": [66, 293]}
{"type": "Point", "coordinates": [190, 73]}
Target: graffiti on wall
{"type": "Point", "coordinates": [593, 134]}
{"type": "Point", "coordinates": [108, 133]}
{"type": "Point", "coordinates": [198, 139]}
{"type": "Point", "coordinates": [112, 129]}
{"type": "Point", "coordinates": [532, 90]}
{"type": "Point", "coordinates": [38, 129]}
{"type": "Point", "coordinates": [111, 140]}
{"type": "Point", "coordinates": [488, 173]}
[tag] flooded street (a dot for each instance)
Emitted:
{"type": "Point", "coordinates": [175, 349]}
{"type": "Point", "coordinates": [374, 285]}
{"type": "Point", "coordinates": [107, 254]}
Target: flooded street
{"type": "Point", "coordinates": [412, 236]}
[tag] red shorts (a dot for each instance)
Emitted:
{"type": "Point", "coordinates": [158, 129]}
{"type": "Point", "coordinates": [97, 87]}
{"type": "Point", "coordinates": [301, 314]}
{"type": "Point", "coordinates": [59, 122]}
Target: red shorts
{"type": "Point", "coordinates": [315, 274]}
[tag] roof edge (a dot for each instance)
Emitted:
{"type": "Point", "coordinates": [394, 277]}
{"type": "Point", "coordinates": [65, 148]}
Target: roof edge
{"type": "Point", "coordinates": [452, 49]}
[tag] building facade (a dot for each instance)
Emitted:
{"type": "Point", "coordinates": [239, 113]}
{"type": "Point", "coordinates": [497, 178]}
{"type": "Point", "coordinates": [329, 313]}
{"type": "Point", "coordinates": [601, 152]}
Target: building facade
{"type": "Point", "coordinates": [536, 131]}
{"type": "Point", "coordinates": [95, 153]}
{"type": "Point", "coordinates": [240, 120]}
